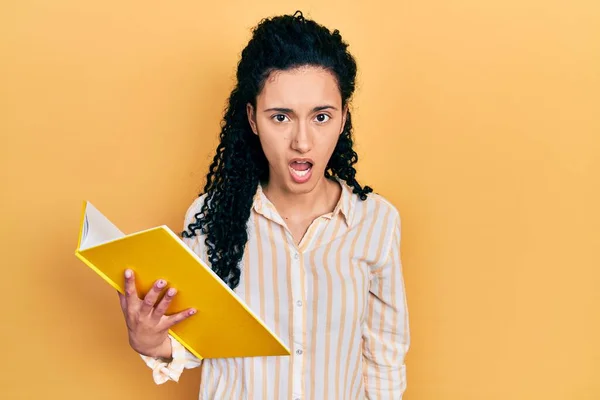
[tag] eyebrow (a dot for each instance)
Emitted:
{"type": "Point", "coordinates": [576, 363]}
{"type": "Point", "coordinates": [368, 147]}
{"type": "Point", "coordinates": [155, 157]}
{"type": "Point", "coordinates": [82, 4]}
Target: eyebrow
{"type": "Point", "coordinates": [289, 110]}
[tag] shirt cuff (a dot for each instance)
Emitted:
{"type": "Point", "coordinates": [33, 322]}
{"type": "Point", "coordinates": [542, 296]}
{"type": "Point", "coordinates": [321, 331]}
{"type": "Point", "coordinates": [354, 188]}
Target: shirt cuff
{"type": "Point", "coordinates": [162, 370]}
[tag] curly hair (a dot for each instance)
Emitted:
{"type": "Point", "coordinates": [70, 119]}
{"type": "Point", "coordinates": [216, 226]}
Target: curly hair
{"type": "Point", "coordinates": [239, 165]}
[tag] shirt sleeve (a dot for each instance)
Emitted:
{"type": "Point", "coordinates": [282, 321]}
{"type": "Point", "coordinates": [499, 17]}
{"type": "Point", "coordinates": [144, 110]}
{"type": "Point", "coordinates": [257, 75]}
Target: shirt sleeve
{"type": "Point", "coordinates": [163, 371]}
{"type": "Point", "coordinates": [386, 336]}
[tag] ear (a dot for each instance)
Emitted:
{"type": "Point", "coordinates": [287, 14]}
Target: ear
{"type": "Point", "coordinates": [251, 118]}
{"type": "Point", "coordinates": [344, 116]}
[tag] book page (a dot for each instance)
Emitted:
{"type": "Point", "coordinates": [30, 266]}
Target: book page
{"type": "Point", "coordinates": [97, 229]}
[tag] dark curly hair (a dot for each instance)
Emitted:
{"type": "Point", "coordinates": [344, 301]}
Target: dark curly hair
{"type": "Point", "coordinates": [279, 43]}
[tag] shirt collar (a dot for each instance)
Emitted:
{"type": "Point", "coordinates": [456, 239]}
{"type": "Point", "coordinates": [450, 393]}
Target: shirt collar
{"type": "Point", "coordinates": [345, 204]}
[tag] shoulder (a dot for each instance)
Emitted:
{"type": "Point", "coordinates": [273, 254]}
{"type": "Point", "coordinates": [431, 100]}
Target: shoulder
{"type": "Point", "coordinates": [378, 207]}
{"type": "Point", "coordinates": [194, 209]}
{"type": "Point", "coordinates": [192, 235]}
{"type": "Point", "coordinates": [379, 219]}
{"type": "Point", "coordinates": [384, 205]}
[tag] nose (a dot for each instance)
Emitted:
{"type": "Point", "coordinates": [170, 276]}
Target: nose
{"type": "Point", "coordinates": [301, 139]}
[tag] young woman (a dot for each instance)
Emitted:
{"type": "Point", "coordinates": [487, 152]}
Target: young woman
{"type": "Point", "coordinates": [284, 222]}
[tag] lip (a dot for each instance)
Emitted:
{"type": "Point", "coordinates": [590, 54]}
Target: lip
{"type": "Point", "coordinates": [301, 179]}
{"type": "Point", "coordinates": [302, 160]}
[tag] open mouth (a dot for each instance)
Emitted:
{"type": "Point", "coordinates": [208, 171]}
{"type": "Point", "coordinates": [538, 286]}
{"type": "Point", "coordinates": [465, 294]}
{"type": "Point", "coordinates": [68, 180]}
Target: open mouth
{"type": "Point", "coordinates": [300, 170]}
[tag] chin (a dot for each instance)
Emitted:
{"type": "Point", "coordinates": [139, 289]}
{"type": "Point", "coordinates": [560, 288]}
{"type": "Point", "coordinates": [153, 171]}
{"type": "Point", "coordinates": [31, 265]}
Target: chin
{"type": "Point", "coordinates": [304, 187]}
{"type": "Point", "coordinates": [301, 189]}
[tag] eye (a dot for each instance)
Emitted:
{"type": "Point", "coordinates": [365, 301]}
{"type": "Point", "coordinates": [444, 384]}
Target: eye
{"type": "Point", "coordinates": [321, 118]}
{"type": "Point", "coordinates": [279, 118]}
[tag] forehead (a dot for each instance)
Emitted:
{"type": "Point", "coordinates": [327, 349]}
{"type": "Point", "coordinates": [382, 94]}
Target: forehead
{"type": "Point", "coordinates": [300, 87]}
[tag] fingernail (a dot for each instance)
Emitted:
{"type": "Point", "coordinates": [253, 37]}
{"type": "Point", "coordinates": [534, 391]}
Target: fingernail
{"type": "Point", "coordinates": [172, 292]}
{"type": "Point", "coordinates": [128, 273]}
{"type": "Point", "coordinates": [192, 312]}
{"type": "Point", "coordinates": [161, 283]}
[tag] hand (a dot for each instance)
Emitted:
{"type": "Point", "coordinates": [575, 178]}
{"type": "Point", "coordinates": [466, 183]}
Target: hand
{"type": "Point", "coordinates": [147, 324]}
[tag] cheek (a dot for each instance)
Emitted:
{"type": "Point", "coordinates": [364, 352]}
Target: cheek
{"type": "Point", "coordinates": [274, 144]}
{"type": "Point", "coordinates": [327, 144]}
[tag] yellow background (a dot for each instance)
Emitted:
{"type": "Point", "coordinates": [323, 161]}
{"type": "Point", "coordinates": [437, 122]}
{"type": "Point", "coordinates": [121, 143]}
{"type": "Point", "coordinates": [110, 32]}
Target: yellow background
{"type": "Point", "coordinates": [478, 119]}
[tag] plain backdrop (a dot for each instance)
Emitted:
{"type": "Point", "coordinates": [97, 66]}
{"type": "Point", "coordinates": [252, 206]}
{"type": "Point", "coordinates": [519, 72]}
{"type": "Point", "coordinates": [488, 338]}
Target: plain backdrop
{"type": "Point", "coordinates": [479, 120]}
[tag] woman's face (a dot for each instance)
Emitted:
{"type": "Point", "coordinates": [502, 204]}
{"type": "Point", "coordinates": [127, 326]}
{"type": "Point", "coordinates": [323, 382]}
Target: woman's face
{"type": "Point", "coordinates": [298, 119]}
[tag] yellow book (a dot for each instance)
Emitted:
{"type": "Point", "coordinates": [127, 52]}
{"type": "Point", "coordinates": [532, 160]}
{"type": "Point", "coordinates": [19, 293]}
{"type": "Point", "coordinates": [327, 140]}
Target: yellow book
{"type": "Point", "coordinates": [223, 325]}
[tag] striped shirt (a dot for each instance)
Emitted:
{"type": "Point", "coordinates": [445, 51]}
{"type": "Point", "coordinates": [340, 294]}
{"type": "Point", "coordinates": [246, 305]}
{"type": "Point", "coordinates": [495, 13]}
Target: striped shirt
{"type": "Point", "coordinates": [336, 299]}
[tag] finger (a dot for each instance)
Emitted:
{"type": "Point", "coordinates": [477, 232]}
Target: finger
{"type": "Point", "coordinates": [177, 318]}
{"type": "Point", "coordinates": [130, 290]}
{"type": "Point", "coordinates": [152, 296]}
{"type": "Point", "coordinates": [122, 301]}
{"type": "Point", "coordinates": [164, 304]}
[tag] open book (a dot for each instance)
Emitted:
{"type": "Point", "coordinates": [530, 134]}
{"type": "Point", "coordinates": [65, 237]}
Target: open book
{"type": "Point", "coordinates": [223, 325]}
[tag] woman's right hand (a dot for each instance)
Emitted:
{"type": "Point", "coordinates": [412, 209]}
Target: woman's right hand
{"type": "Point", "coordinates": [147, 324]}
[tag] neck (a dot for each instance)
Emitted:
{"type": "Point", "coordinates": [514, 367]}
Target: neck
{"type": "Point", "coordinates": [320, 200]}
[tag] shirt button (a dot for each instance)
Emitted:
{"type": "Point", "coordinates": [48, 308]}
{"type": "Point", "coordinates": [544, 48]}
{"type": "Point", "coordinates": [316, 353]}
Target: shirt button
{"type": "Point", "coordinates": [299, 303]}
{"type": "Point", "coordinates": [296, 256]}
{"type": "Point", "coordinates": [299, 352]}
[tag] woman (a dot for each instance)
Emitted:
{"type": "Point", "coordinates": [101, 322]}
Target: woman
{"type": "Point", "coordinates": [284, 222]}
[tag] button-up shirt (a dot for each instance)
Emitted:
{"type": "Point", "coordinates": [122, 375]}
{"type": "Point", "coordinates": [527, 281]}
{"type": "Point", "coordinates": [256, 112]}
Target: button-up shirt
{"type": "Point", "coordinates": [336, 299]}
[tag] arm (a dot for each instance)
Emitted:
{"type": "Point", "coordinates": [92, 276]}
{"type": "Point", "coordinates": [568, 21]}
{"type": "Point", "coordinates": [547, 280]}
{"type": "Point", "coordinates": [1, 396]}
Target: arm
{"type": "Point", "coordinates": [179, 358]}
{"type": "Point", "coordinates": [164, 370]}
{"type": "Point", "coordinates": [386, 335]}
